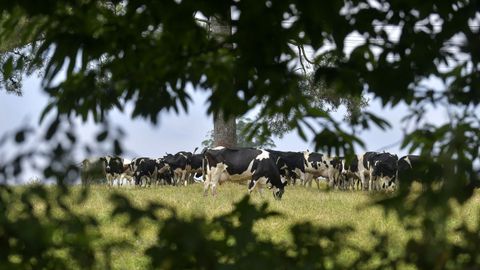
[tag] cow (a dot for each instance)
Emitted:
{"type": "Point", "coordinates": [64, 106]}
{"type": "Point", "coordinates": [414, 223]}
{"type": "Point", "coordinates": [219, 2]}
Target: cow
{"type": "Point", "coordinates": [290, 164]}
{"type": "Point", "coordinates": [179, 164]}
{"type": "Point", "coordinates": [164, 174]}
{"type": "Point", "coordinates": [239, 164]}
{"type": "Point", "coordinates": [372, 169]}
{"type": "Point", "coordinates": [405, 169]}
{"type": "Point", "coordinates": [357, 172]}
{"type": "Point", "coordinates": [384, 172]}
{"type": "Point", "coordinates": [147, 170]}
{"type": "Point", "coordinates": [113, 168]}
{"type": "Point", "coordinates": [127, 174]}
{"type": "Point", "coordinates": [196, 169]}
{"type": "Point", "coordinates": [322, 166]}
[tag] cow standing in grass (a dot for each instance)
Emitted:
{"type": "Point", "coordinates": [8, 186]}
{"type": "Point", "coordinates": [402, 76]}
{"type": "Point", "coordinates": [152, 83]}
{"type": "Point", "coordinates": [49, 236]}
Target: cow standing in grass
{"type": "Point", "coordinates": [373, 170]}
{"type": "Point", "coordinates": [406, 172]}
{"type": "Point", "coordinates": [148, 171]}
{"type": "Point", "coordinates": [290, 164]}
{"type": "Point", "coordinates": [319, 165]}
{"type": "Point", "coordinates": [384, 171]}
{"type": "Point", "coordinates": [113, 168]}
{"type": "Point", "coordinates": [240, 164]}
{"type": "Point", "coordinates": [358, 171]}
{"type": "Point", "coordinates": [196, 170]}
{"type": "Point", "coordinates": [179, 164]}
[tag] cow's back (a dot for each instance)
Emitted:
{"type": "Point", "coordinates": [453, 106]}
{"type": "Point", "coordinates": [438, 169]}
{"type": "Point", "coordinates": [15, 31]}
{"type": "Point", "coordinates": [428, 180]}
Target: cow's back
{"type": "Point", "coordinates": [237, 160]}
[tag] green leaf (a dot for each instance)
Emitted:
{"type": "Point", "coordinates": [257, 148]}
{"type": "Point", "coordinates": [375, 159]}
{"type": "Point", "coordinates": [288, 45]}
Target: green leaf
{"type": "Point", "coordinates": [52, 129]}
{"type": "Point", "coordinates": [102, 136]}
{"type": "Point", "coordinates": [8, 68]}
{"type": "Point", "coordinates": [45, 111]}
{"type": "Point", "coordinates": [20, 136]}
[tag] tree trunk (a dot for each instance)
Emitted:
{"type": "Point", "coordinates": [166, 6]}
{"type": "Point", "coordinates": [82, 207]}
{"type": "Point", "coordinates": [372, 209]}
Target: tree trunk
{"type": "Point", "coordinates": [224, 131]}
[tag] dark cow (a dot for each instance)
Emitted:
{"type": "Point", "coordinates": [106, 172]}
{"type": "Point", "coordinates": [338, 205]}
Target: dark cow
{"type": "Point", "coordinates": [239, 164]}
{"type": "Point", "coordinates": [164, 174]}
{"type": "Point", "coordinates": [384, 170]}
{"type": "Point", "coordinates": [405, 171]}
{"type": "Point", "coordinates": [196, 169]}
{"type": "Point", "coordinates": [113, 168]}
{"type": "Point", "coordinates": [148, 170]}
{"type": "Point", "coordinates": [319, 165]}
{"type": "Point", "coordinates": [179, 164]}
{"type": "Point", "coordinates": [133, 166]}
{"type": "Point", "coordinates": [290, 164]}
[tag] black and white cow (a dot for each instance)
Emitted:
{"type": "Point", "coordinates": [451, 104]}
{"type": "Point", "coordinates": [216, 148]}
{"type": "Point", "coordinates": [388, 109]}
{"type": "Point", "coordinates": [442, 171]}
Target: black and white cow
{"type": "Point", "coordinates": [372, 169]}
{"type": "Point", "coordinates": [384, 172]}
{"type": "Point", "coordinates": [113, 168]}
{"type": "Point", "coordinates": [240, 164]}
{"type": "Point", "coordinates": [359, 168]}
{"type": "Point", "coordinates": [179, 164]}
{"type": "Point", "coordinates": [147, 171]}
{"type": "Point", "coordinates": [405, 171]}
{"type": "Point", "coordinates": [196, 168]}
{"type": "Point", "coordinates": [290, 164]}
{"type": "Point", "coordinates": [164, 174]}
{"type": "Point", "coordinates": [319, 165]}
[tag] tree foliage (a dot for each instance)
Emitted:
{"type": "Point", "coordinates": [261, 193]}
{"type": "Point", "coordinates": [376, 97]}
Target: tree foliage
{"type": "Point", "coordinates": [150, 51]}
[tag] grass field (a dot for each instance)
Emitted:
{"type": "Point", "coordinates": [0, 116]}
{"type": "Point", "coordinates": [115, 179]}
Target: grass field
{"type": "Point", "coordinates": [299, 204]}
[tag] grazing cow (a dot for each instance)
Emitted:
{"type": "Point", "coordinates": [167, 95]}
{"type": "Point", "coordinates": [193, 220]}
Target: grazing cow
{"type": "Point", "coordinates": [113, 168]}
{"type": "Point", "coordinates": [321, 166]}
{"type": "Point", "coordinates": [290, 164]}
{"type": "Point", "coordinates": [179, 164]}
{"type": "Point", "coordinates": [240, 164]}
{"type": "Point", "coordinates": [148, 170]}
{"type": "Point", "coordinates": [93, 170]}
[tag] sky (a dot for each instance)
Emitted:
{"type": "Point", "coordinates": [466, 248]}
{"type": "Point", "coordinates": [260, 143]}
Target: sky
{"type": "Point", "coordinates": [185, 131]}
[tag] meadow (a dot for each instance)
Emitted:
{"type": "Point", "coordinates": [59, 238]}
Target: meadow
{"type": "Point", "coordinates": [300, 204]}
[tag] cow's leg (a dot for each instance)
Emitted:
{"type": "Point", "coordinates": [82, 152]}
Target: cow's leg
{"type": "Point", "coordinates": [184, 177]}
{"type": "Point", "coordinates": [363, 181]}
{"type": "Point", "coordinates": [207, 176]}
{"type": "Point", "coordinates": [179, 178]}
{"type": "Point", "coordinates": [206, 185]}
{"type": "Point", "coordinates": [307, 179]}
{"type": "Point", "coordinates": [215, 180]}
{"type": "Point", "coordinates": [190, 177]}
{"type": "Point", "coordinates": [318, 182]}
{"type": "Point", "coordinates": [109, 180]}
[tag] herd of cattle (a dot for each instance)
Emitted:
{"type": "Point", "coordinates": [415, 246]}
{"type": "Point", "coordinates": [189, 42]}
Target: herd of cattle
{"type": "Point", "coordinates": [274, 169]}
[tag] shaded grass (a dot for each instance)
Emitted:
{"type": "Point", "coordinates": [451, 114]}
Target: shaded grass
{"type": "Point", "coordinates": [299, 204]}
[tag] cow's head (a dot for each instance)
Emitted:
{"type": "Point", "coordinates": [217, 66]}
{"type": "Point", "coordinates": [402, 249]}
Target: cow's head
{"type": "Point", "coordinates": [278, 193]}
